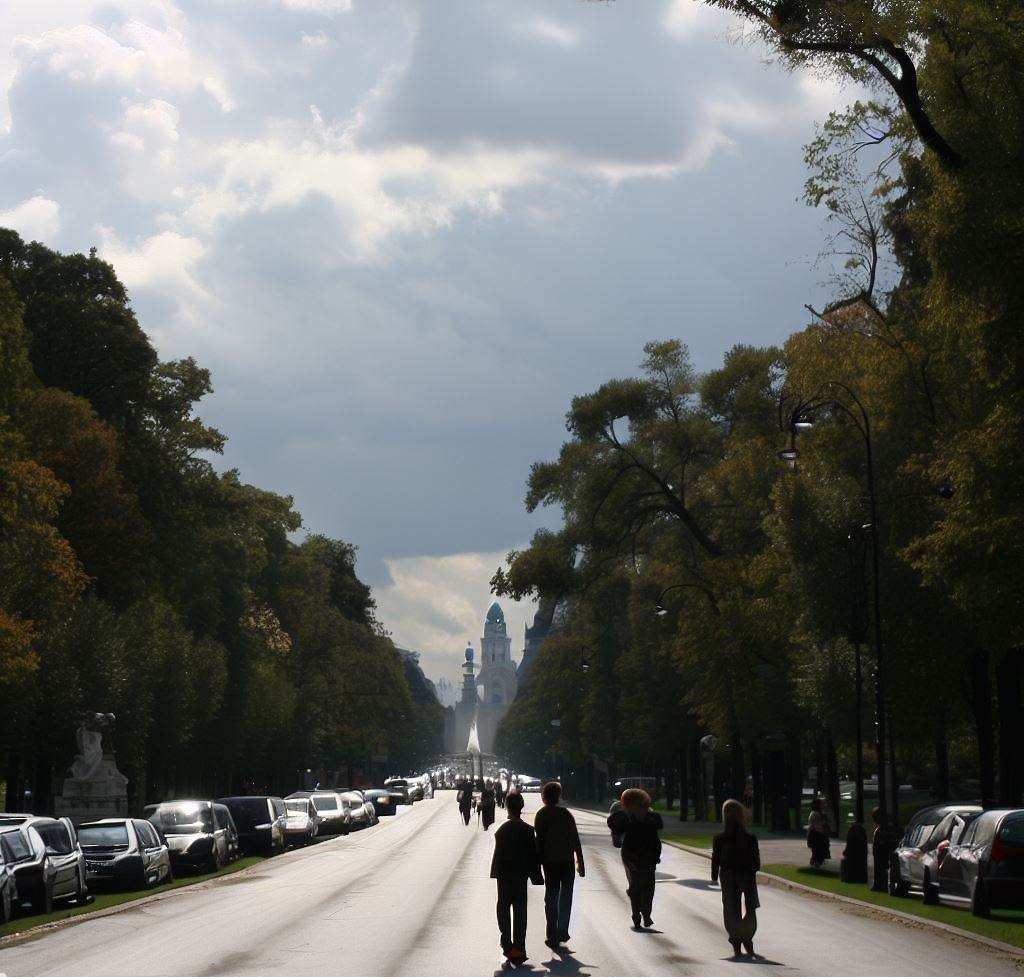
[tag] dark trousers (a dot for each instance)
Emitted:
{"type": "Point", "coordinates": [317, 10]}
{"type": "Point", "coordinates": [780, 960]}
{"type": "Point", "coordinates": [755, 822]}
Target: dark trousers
{"type": "Point", "coordinates": [464, 811]}
{"type": "Point", "coordinates": [738, 888]}
{"type": "Point", "coordinates": [639, 887]}
{"type": "Point", "coordinates": [512, 913]}
{"type": "Point", "coordinates": [558, 882]}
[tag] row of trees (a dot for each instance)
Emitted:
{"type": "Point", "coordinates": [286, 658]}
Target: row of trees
{"type": "Point", "coordinates": [673, 490]}
{"type": "Point", "coordinates": [136, 579]}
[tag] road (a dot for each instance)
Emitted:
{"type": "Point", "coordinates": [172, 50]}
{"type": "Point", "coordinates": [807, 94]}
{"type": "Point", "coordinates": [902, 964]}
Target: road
{"type": "Point", "coordinates": [412, 897]}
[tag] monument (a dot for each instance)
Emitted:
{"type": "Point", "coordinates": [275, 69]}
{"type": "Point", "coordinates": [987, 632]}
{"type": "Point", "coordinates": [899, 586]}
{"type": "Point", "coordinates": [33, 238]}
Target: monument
{"type": "Point", "coordinates": [94, 787]}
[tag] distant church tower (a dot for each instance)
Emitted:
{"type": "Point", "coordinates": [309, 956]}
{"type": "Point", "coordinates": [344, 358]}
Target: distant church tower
{"type": "Point", "coordinates": [497, 671]}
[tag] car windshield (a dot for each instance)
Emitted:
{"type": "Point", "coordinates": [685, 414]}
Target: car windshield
{"type": "Point", "coordinates": [396, 783]}
{"type": "Point", "coordinates": [14, 846]}
{"type": "Point", "coordinates": [182, 819]}
{"type": "Point", "coordinates": [297, 806]}
{"type": "Point", "coordinates": [103, 836]}
{"type": "Point", "coordinates": [325, 803]}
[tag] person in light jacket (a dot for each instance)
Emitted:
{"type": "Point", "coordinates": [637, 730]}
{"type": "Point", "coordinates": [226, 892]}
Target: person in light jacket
{"type": "Point", "coordinates": [735, 862]}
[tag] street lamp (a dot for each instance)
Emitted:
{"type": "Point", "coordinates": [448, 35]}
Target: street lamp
{"type": "Point", "coordinates": [801, 418]}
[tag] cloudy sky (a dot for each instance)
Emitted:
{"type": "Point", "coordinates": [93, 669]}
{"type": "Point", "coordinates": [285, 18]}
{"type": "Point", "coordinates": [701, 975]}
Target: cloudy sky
{"type": "Point", "coordinates": [404, 233]}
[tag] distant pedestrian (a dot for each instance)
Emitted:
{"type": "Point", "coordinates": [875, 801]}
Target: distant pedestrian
{"type": "Point", "coordinates": [735, 861]}
{"type": "Point", "coordinates": [854, 864]}
{"type": "Point", "coordinates": [487, 806]}
{"type": "Point", "coordinates": [465, 797]}
{"type": "Point", "coordinates": [818, 835]}
{"type": "Point", "coordinates": [638, 826]}
{"type": "Point", "coordinates": [515, 860]}
{"type": "Point", "coordinates": [558, 844]}
{"type": "Point", "coordinates": [881, 853]}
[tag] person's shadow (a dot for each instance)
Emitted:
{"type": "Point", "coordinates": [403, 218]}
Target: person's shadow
{"type": "Point", "coordinates": [755, 959]}
{"type": "Point", "coordinates": [566, 963]}
{"type": "Point", "coordinates": [695, 883]}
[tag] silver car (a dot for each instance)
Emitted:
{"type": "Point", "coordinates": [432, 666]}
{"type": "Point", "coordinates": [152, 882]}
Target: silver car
{"type": "Point", "coordinates": [201, 835]}
{"type": "Point", "coordinates": [361, 811]}
{"type": "Point", "coordinates": [50, 864]}
{"type": "Point", "coordinates": [303, 824]}
{"type": "Point", "coordinates": [12, 848]}
{"type": "Point", "coordinates": [124, 852]}
{"type": "Point", "coordinates": [328, 804]}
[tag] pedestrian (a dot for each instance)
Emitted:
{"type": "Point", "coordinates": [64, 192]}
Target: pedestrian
{"type": "Point", "coordinates": [881, 853]}
{"type": "Point", "coordinates": [487, 806]}
{"type": "Point", "coordinates": [735, 861]}
{"type": "Point", "coordinates": [499, 793]}
{"type": "Point", "coordinates": [854, 864]}
{"type": "Point", "coordinates": [818, 834]}
{"type": "Point", "coordinates": [465, 797]}
{"type": "Point", "coordinates": [638, 826]}
{"type": "Point", "coordinates": [558, 845]}
{"type": "Point", "coordinates": [515, 860]}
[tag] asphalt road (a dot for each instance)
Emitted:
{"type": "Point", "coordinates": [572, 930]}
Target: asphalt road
{"type": "Point", "coordinates": [412, 897]}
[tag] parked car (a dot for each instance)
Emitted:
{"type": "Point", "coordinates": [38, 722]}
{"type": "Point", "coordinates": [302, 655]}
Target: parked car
{"type": "Point", "coordinates": [528, 785]}
{"type": "Point", "coordinates": [12, 849]}
{"type": "Point", "coordinates": [385, 802]}
{"type": "Point", "coordinates": [361, 811]}
{"type": "Point", "coordinates": [416, 791]}
{"type": "Point", "coordinates": [328, 804]}
{"type": "Point", "coordinates": [399, 785]}
{"type": "Point", "coordinates": [986, 865]}
{"type": "Point", "coordinates": [126, 852]}
{"type": "Point", "coordinates": [199, 834]}
{"type": "Point", "coordinates": [260, 821]}
{"type": "Point", "coordinates": [303, 823]}
{"type": "Point", "coordinates": [54, 866]}
{"type": "Point", "coordinates": [927, 837]}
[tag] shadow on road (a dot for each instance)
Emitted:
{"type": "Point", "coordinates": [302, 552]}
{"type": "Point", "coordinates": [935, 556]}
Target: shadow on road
{"type": "Point", "coordinates": [757, 959]}
{"type": "Point", "coordinates": [695, 883]}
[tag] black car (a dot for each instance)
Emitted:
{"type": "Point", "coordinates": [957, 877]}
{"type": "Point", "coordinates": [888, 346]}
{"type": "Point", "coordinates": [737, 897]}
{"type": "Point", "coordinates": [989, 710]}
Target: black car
{"type": "Point", "coordinates": [400, 786]}
{"type": "Point", "coordinates": [261, 823]}
{"type": "Point", "coordinates": [385, 802]}
{"type": "Point", "coordinates": [12, 848]}
{"type": "Point", "coordinates": [124, 853]}
{"type": "Point", "coordinates": [987, 863]}
{"type": "Point", "coordinates": [924, 844]}
{"type": "Point", "coordinates": [49, 864]}
{"type": "Point", "coordinates": [200, 834]}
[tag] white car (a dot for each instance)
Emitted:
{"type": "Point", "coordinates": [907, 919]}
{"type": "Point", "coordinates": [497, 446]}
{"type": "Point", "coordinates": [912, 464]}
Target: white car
{"type": "Point", "coordinates": [303, 824]}
{"type": "Point", "coordinates": [362, 811]}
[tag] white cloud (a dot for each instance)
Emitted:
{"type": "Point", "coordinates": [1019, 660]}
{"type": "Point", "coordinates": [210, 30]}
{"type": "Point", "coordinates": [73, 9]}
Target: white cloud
{"type": "Point", "coordinates": [435, 605]}
{"type": "Point", "coordinates": [317, 40]}
{"type": "Point", "coordinates": [319, 6]}
{"type": "Point", "coordinates": [551, 31]}
{"type": "Point", "coordinates": [165, 261]}
{"type": "Point", "coordinates": [37, 218]}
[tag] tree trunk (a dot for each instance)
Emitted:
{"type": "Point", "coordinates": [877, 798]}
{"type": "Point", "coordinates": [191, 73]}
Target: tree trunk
{"type": "Point", "coordinates": [1011, 729]}
{"type": "Point", "coordinates": [757, 807]}
{"type": "Point", "coordinates": [981, 707]}
{"type": "Point", "coordinates": [700, 787]}
{"type": "Point", "coordinates": [670, 784]}
{"type": "Point", "coordinates": [832, 781]}
{"type": "Point", "coordinates": [684, 782]}
{"type": "Point", "coordinates": [13, 802]}
{"type": "Point", "coordinates": [795, 784]}
{"type": "Point", "coordinates": [941, 756]}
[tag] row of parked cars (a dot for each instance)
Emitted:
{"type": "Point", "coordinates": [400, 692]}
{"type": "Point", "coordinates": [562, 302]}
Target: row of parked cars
{"type": "Point", "coordinates": [44, 860]}
{"type": "Point", "coordinates": [964, 852]}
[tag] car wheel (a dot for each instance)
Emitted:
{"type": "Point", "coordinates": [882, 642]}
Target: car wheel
{"type": "Point", "coordinates": [42, 901]}
{"type": "Point", "coordinates": [216, 863]}
{"type": "Point", "coordinates": [979, 899]}
{"type": "Point", "coordinates": [81, 892]}
{"type": "Point", "coordinates": [6, 906]}
{"type": "Point", "coordinates": [900, 888]}
{"type": "Point", "coordinates": [931, 890]}
{"type": "Point", "coordinates": [142, 879]}
{"type": "Point", "coordinates": [169, 874]}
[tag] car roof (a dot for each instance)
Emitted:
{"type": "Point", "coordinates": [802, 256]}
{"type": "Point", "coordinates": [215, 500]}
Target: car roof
{"type": "Point", "coordinates": [90, 824]}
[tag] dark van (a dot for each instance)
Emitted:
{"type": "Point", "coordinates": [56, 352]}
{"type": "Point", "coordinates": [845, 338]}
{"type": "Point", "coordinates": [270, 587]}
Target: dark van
{"type": "Point", "coordinates": [261, 823]}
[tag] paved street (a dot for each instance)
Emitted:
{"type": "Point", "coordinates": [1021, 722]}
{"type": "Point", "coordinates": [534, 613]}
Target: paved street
{"type": "Point", "coordinates": [413, 897]}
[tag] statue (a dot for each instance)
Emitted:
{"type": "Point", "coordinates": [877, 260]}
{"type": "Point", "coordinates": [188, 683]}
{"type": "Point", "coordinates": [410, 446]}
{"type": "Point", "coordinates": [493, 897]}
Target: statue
{"type": "Point", "coordinates": [89, 735]}
{"type": "Point", "coordinates": [94, 787]}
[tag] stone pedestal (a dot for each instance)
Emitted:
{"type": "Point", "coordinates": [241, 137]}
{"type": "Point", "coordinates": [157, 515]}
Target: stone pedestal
{"type": "Point", "coordinates": [103, 795]}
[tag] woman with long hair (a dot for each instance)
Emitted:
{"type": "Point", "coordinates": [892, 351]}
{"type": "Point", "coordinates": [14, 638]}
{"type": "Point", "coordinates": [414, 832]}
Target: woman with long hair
{"type": "Point", "coordinates": [817, 834]}
{"type": "Point", "coordinates": [735, 861]}
{"type": "Point", "coordinates": [637, 826]}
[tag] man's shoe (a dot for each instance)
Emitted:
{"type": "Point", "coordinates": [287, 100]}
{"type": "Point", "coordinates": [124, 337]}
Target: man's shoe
{"type": "Point", "coordinates": [636, 921]}
{"type": "Point", "coordinates": [551, 943]}
{"type": "Point", "coordinates": [648, 922]}
{"type": "Point", "coordinates": [748, 945]}
{"type": "Point", "coordinates": [564, 937]}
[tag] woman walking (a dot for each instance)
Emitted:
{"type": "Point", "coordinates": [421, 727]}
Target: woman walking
{"type": "Point", "coordinates": [735, 861]}
{"type": "Point", "coordinates": [638, 826]}
{"type": "Point", "coordinates": [817, 835]}
{"type": "Point", "coordinates": [487, 806]}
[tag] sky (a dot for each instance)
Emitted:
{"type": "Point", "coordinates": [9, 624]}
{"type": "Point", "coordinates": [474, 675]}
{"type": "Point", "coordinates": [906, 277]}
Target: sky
{"type": "Point", "coordinates": [403, 234]}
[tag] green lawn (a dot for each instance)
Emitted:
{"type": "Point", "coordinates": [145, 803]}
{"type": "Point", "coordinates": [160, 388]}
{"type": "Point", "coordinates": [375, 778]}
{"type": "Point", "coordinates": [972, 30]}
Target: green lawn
{"type": "Point", "coordinates": [694, 840]}
{"type": "Point", "coordinates": [1005, 925]}
{"type": "Point", "coordinates": [107, 899]}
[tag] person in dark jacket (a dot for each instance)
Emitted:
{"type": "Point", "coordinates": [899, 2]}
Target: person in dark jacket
{"type": "Point", "coordinates": [465, 797]}
{"type": "Point", "coordinates": [515, 860]}
{"type": "Point", "coordinates": [638, 827]}
{"type": "Point", "coordinates": [735, 861]}
{"type": "Point", "coordinates": [487, 806]}
{"type": "Point", "coordinates": [558, 845]}
{"type": "Point", "coordinates": [854, 864]}
{"type": "Point", "coordinates": [818, 834]}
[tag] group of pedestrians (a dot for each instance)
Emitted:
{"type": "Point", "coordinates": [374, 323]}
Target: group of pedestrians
{"type": "Point", "coordinates": [550, 854]}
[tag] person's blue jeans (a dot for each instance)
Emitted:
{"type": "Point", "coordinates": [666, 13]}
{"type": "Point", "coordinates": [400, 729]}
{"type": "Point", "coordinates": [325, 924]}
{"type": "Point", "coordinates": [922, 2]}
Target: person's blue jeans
{"type": "Point", "coordinates": [558, 883]}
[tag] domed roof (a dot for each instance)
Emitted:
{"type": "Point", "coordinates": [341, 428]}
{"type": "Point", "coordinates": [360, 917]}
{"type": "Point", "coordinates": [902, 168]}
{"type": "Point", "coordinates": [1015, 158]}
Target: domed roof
{"type": "Point", "coordinates": [469, 653]}
{"type": "Point", "coordinates": [495, 615]}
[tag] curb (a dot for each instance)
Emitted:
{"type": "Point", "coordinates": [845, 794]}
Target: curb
{"type": "Point", "coordinates": [777, 882]}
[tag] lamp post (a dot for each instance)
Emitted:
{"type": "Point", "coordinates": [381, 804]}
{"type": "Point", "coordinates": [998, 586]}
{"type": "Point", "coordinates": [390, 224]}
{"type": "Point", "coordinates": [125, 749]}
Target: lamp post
{"type": "Point", "coordinates": [857, 635]}
{"type": "Point", "coordinates": [801, 418]}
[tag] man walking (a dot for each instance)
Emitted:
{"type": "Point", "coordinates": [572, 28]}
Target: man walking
{"type": "Point", "coordinates": [515, 860]}
{"type": "Point", "coordinates": [558, 845]}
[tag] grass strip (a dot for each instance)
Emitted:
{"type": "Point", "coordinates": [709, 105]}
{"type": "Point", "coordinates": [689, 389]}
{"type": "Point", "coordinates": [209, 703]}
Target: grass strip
{"type": "Point", "coordinates": [694, 841]}
{"type": "Point", "coordinates": [1006, 925]}
{"type": "Point", "coordinates": [105, 900]}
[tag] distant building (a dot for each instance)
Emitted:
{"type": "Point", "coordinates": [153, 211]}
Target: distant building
{"type": "Point", "coordinates": [445, 692]}
{"type": "Point", "coordinates": [485, 697]}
